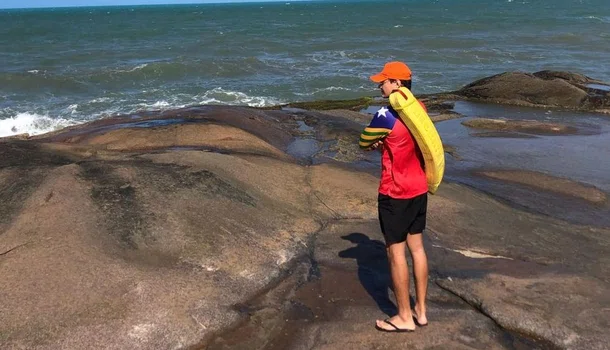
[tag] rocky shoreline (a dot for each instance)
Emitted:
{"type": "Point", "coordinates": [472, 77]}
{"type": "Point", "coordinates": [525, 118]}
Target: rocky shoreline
{"type": "Point", "coordinates": [218, 227]}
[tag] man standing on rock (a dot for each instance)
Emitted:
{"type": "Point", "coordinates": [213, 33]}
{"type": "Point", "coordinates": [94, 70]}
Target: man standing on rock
{"type": "Point", "coordinates": [402, 200]}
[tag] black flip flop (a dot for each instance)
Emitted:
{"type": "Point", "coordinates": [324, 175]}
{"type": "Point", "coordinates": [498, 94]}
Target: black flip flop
{"type": "Point", "coordinates": [395, 330]}
{"type": "Point", "coordinates": [419, 324]}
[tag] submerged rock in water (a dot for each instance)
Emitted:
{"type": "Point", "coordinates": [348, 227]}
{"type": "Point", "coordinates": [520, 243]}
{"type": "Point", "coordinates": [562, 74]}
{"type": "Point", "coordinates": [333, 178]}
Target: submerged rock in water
{"type": "Point", "coordinates": [527, 126]}
{"type": "Point", "coordinates": [549, 183]}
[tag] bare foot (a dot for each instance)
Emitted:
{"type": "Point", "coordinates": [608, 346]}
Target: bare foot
{"type": "Point", "coordinates": [399, 323]}
{"type": "Point", "coordinates": [420, 316]}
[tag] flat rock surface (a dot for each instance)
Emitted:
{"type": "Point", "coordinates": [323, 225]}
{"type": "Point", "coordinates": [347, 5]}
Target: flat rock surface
{"type": "Point", "coordinates": [200, 228]}
{"type": "Point", "coordinates": [146, 237]}
{"type": "Point", "coordinates": [482, 294]}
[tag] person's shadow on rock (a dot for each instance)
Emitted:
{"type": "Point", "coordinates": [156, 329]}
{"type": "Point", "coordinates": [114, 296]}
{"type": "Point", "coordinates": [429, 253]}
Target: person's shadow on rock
{"type": "Point", "coordinates": [373, 270]}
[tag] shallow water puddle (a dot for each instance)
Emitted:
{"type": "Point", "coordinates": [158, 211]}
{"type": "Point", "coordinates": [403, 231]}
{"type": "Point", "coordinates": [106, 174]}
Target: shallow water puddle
{"type": "Point", "coordinates": [582, 157]}
{"type": "Point", "coordinates": [303, 148]}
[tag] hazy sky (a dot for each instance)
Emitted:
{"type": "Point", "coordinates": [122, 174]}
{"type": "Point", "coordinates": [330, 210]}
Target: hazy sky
{"type": "Point", "coordinates": [61, 3]}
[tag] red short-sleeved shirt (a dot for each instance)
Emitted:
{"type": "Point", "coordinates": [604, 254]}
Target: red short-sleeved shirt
{"type": "Point", "coordinates": [402, 173]}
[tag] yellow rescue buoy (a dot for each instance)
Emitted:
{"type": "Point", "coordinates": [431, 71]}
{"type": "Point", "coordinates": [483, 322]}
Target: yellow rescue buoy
{"type": "Point", "coordinates": [424, 132]}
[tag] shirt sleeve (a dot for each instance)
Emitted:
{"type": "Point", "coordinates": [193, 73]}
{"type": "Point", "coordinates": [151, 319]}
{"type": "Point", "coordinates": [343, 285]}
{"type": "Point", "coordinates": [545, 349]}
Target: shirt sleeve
{"type": "Point", "coordinates": [381, 125]}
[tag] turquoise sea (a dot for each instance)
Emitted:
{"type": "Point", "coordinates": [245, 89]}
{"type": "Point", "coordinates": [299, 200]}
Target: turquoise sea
{"type": "Point", "coordinates": [62, 66]}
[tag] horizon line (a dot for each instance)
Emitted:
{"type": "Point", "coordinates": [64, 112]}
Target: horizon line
{"type": "Point", "coordinates": [159, 4]}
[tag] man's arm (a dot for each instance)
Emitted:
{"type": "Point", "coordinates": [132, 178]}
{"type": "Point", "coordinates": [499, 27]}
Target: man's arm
{"type": "Point", "coordinates": [371, 137]}
{"type": "Point", "coordinates": [380, 127]}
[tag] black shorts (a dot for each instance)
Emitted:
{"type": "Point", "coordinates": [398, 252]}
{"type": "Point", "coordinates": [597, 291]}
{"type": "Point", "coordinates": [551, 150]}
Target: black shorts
{"type": "Point", "coordinates": [400, 217]}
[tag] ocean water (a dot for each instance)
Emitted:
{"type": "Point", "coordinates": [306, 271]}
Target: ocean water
{"type": "Point", "coordinates": [64, 66]}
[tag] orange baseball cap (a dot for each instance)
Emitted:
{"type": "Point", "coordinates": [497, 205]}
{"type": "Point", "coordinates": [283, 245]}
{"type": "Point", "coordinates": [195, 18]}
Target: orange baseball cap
{"type": "Point", "coordinates": [393, 70]}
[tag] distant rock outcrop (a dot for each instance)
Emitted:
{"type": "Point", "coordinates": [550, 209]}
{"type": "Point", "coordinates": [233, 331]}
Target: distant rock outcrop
{"type": "Point", "coordinates": [544, 89]}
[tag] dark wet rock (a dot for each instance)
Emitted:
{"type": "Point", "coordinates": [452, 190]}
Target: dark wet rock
{"type": "Point", "coordinates": [23, 136]}
{"type": "Point", "coordinates": [362, 118]}
{"type": "Point", "coordinates": [15, 153]}
{"type": "Point", "coordinates": [526, 126]}
{"type": "Point", "coordinates": [441, 117]}
{"type": "Point", "coordinates": [435, 104]}
{"type": "Point", "coordinates": [334, 136]}
{"type": "Point", "coordinates": [572, 78]}
{"type": "Point", "coordinates": [354, 105]}
{"type": "Point", "coordinates": [542, 89]}
{"type": "Point", "coordinates": [549, 183]}
{"type": "Point", "coordinates": [452, 151]}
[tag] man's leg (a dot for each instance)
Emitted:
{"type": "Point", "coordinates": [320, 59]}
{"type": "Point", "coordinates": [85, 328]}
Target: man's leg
{"type": "Point", "coordinates": [400, 278]}
{"type": "Point", "coordinates": [420, 273]}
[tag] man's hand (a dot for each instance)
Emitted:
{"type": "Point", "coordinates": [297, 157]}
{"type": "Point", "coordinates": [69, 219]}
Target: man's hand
{"type": "Point", "coordinates": [376, 145]}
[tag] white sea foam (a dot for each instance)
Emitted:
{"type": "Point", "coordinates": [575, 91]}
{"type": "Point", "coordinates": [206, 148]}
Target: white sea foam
{"type": "Point", "coordinates": [333, 56]}
{"type": "Point", "coordinates": [333, 88]}
{"type": "Point", "coordinates": [100, 100]}
{"type": "Point", "coordinates": [226, 97]}
{"type": "Point", "coordinates": [600, 19]}
{"type": "Point", "coordinates": [32, 123]}
{"type": "Point", "coordinates": [326, 89]}
{"type": "Point", "coordinates": [138, 67]}
{"type": "Point", "coordinates": [161, 104]}
{"type": "Point", "coordinates": [128, 70]}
